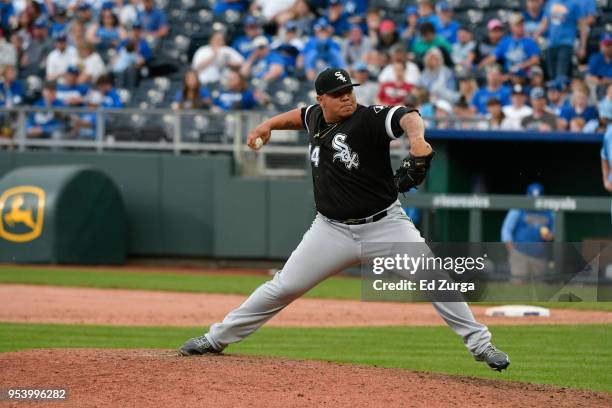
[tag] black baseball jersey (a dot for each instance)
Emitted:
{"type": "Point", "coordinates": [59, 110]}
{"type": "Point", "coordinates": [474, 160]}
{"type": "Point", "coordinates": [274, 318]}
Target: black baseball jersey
{"type": "Point", "coordinates": [350, 160]}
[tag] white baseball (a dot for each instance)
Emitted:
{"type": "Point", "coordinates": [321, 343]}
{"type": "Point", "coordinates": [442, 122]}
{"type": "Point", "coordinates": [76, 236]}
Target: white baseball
{"type": "Point", "coordinates": [258, 143]}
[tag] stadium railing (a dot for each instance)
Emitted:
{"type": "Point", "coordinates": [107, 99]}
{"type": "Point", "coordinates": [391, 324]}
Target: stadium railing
{"type": "Point", "coordinates": [192, 131]}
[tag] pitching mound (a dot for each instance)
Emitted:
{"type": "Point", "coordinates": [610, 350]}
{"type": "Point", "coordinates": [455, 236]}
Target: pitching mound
{"type": "Point", "coordinates": [146, 378]}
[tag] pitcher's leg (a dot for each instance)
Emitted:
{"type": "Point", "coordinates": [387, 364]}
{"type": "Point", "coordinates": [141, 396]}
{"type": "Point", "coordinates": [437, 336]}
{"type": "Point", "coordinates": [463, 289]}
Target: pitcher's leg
{"type": "Point", "coordinates": [324, 251]}
{"type": "Point", "coordinates": [397, 227]}
{"type": "Point", "coordinates": [458, 316]}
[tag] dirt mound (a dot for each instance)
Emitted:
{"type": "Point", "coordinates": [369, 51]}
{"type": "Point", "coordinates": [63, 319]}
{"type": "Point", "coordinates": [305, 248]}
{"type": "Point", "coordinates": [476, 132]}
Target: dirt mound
{"type": "Point", "coordinates": [49, 304]}
{"type": "Point", "coordinates": [147, 378]}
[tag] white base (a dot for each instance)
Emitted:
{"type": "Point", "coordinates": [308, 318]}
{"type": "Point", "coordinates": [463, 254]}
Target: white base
{"type": "Point", "coordinates": [517, 311]}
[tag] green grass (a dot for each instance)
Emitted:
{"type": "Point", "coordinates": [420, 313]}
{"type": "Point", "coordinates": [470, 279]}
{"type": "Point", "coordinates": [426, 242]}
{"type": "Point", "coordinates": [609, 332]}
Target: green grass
{"type": "Point", "coordinates": [333, 288]}
{"type": "Point", "coordinates": [571, 356]}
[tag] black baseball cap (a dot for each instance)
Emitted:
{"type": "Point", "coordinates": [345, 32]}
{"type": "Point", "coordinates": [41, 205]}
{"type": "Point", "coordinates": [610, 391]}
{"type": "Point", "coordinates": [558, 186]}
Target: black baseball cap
{"type": "Point", "coordinates": [332, 80]}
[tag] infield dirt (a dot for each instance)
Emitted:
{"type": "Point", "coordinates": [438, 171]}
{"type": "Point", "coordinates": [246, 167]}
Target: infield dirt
{"type": "Point", "coordinates": [159, 378]}
{"type": "Point", "coordinates": [51, 304]}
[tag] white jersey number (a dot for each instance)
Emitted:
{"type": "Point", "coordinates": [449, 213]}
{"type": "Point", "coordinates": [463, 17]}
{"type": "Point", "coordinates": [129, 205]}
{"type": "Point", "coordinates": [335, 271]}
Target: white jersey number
{"type": "Point", "coordinates": [314, 156]}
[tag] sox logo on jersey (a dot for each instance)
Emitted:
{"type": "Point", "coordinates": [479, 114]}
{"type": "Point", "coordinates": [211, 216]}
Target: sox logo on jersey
{"type": "Point", "coordinates": [345, 155]}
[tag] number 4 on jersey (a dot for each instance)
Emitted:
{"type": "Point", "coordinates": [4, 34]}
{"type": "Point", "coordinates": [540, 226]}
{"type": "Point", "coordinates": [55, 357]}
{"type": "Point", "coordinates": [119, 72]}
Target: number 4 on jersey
{"type": "Point", "coordinates": [314, 155]}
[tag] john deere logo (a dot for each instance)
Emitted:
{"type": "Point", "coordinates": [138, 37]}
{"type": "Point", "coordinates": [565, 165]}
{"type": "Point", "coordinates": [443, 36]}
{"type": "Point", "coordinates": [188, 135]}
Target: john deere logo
{"type": "Point", "coordinates": [21, 213]}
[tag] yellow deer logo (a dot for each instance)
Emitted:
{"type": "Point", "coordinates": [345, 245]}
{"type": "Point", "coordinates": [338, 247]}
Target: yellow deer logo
{"type": "Point", "coordinates": [17, 214]}
{"type": "Point", "coordinates": [22, 205]}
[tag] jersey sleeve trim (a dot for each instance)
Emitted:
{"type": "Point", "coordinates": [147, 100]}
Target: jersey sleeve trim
{"type": "Point", "coordinates": [306, 118]}
{"type": "Point", "coordinates": [388, 126]}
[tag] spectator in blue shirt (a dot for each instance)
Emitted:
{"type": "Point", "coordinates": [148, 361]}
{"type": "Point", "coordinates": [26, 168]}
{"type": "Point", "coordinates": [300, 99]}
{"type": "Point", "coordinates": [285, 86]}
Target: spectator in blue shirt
{"type": "Point", "coordinates": [321, 51]}
{"type": "Point", "coordinates": [141, 45]}
{"type": "Point", "coordinates": [561, 19]}
{"type": "Point", "coordinates": [409, 29]}
{"type": "Point", "coordinates": [599, 72]}
{"type": "Point", "coordinates": [252, 29]}
{"type": "Point", "coordinates": [106, 34]}
{"type": "Point", "coordinates": [103, 96]}
{"type": "Point", "coordinates": [221, 6]}
{"type": "Point", "coordinates": [523, 232]}
{"type": "Point", "coordinates": [579, 109]}
{"type": "Point", "coordinates": [153, 20]}
{"type": "Point", "coordinates": [533, 14]}
{"type": "Point", "coordinates": [133, 53]}
{"type": "Point", "coordinates": [516, 51]}
{"type": "Point", "coordinates": [234, 95]}
{"type": "Point", "coordinates": [263, 63]}
{"type": "Point", "coordinates": [70, 92]}
{"type": "Point", "coordinates": [557, 96]}
{"type": "Point", "coordinates": [289, 46]}
{"type": "Point", "coordinates": [589, 10]}
{"type": "Point", "coordinates": [7, 12]}
{"type": "Point", "coordinates": [337, 17]}
{"type": "Point", "coordinates": [42, 124]}
{"type": "Point", "coordinates": [193, 95]}
{"type": "Point", "coordinates": [11, 89]}
{"type": "Point", "coordinates": [355, 9]}
{"type": "Point", "coordinates": [110, 97]}
{"type": "Point", "coordinates": [60, 22]}
{"type": "Point", "coordinates": [445, 26]}
{"type": "Point", "coordinates": [494, 89]}
{"type": "Point", "coordinates": [426, 13]}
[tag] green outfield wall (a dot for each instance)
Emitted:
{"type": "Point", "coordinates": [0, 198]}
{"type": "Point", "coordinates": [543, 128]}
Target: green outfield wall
{"type": "Point", "coordinates": [61, 214]}
{"type": "Point", "coordinates": [192, 205]}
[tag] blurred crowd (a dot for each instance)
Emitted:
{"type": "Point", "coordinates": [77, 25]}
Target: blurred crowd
{"type": "Point", "coordinates": [545, 66]}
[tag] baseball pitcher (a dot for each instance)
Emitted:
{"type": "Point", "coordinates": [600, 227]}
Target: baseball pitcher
{"type": "Point", "coordinates": [355, 193]}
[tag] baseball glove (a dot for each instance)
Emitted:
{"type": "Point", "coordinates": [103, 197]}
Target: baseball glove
{"type": "Point", "coordinates": [412, 172]}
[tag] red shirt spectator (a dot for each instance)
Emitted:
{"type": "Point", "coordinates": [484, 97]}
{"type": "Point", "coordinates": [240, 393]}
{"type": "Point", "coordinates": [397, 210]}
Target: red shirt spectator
{"type": "Point", "coordinates": [395, 92]}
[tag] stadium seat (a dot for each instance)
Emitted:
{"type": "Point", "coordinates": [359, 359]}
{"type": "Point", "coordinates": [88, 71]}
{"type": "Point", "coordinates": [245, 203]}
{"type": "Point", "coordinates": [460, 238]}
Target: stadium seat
{"type": "Point", "coordinates": [125, 96]}
{"type": "Point", "coordinates": [475, 16]}
{"type": "Point", "coordinates": [152, 134]}
{"type": "Point", "coordinates": [181, 42]}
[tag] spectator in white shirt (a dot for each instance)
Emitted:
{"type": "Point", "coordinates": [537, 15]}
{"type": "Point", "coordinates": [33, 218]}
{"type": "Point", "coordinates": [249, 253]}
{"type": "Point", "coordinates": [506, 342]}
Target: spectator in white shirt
{"type": "Point", "coordinates": [273, 10]}
{"type": "Point", "coordinates": [211, 60]}
{"type": "Point", "coordinates": [398, 54]}
{"type": "Point", "coordinates": [91, 62]}
{"type": "Point", "coordinates": [437, 78]}
{"type": "Point", "coordinates": [128, 12]}
{"type": "Point", "coordinates": [8, 53]}
{"type": "Point", "coordinates": [62, 56]}
{"type": "Point", "coordinates": [517, 111]}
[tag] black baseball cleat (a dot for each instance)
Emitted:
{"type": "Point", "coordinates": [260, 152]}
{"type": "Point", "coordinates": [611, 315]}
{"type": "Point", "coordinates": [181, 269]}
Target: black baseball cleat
{"type": "Point", "coordinates": [197, 346]}
{"type": "Point", "coordinates": [496, 359]}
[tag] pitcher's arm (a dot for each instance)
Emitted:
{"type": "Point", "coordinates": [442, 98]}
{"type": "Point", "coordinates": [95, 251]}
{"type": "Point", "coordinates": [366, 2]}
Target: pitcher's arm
{"type": "Point", "coordinates": [291, 120]}
{"type": "Point", "coordinates": [412, 124]}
